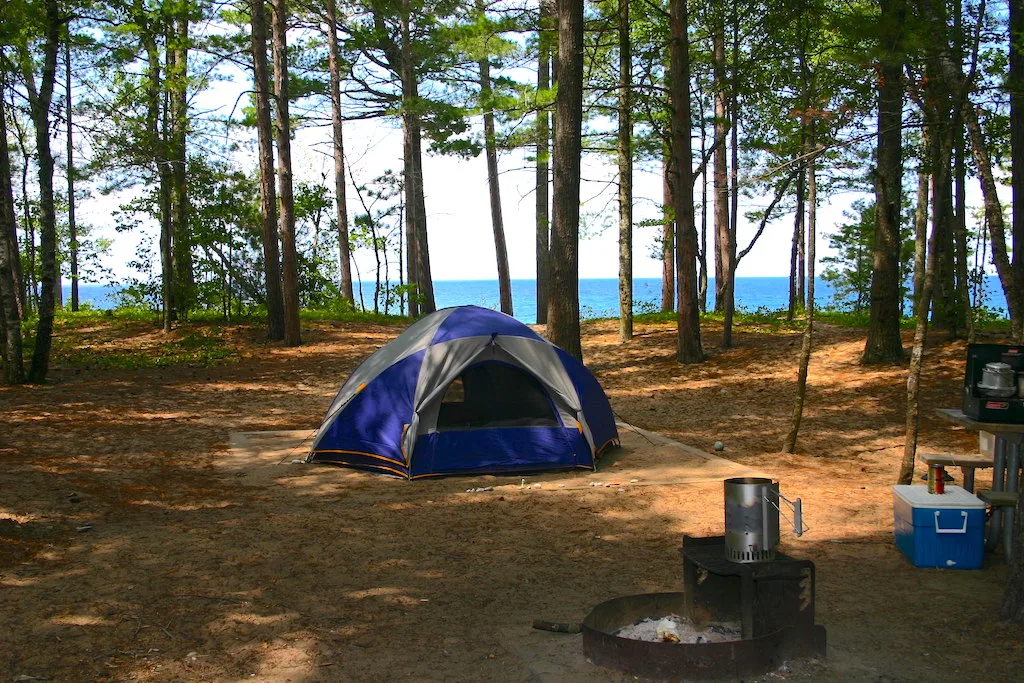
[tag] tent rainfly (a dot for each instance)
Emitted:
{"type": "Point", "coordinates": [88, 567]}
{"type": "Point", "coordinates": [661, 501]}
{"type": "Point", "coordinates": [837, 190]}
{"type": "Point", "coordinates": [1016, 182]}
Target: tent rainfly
{"type": "Point", "coordinates": [467, 390]}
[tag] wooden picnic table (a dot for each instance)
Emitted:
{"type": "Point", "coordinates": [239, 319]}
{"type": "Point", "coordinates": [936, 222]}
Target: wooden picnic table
{"type": "Point", "coordinates": [1006, 464]}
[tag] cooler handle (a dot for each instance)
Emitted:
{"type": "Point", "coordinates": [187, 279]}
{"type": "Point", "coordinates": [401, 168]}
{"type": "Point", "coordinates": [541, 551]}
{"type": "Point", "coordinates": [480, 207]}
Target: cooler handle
{"type": "Point", "coordinates": [953, 530]}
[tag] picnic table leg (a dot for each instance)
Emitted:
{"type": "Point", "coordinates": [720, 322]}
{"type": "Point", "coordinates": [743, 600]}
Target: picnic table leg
{"type": "Point", "coordinates": [968, 478]}
{"type": "Point", "coordinates": [1008, 534]}
{"type": "Point", "coordinates": [1013, 468]}
{"type": "Point", "coordinates": [1012, 484]}
{"type": "Point", "coordinates": [995, 526]}
{"type": "Point", "coordinates": [999, 463]}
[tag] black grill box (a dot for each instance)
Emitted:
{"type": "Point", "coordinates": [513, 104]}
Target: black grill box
{"type": "Point", "coordinates": [986, 408]}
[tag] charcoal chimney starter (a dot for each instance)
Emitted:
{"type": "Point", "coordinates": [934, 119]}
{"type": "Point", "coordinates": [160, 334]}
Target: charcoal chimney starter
{"type": "Point", "coordinates": [751, 519]}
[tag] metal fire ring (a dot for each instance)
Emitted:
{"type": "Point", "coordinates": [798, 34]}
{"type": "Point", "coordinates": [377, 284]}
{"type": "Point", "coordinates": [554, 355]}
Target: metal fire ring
{"type": "Point", "coordinates": [704, 661]}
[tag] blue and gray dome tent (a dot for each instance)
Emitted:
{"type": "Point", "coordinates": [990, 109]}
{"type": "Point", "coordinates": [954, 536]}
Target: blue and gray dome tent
{"type": "Point", "coordinates": [467, 390]}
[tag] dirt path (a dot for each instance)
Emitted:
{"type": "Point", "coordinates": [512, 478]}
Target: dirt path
{"type": "Point", "coordinates": [192, 567]}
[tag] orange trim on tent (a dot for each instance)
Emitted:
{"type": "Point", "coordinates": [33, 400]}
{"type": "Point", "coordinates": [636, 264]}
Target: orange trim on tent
{"type": "Point", "coordinates": [366, 455]}
{"type": "Point", "coordinates": [605, 445]}
{"type": "Point", "coordinates": [475, 473]}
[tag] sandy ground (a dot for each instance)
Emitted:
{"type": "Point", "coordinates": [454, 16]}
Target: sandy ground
{"type": "Point", "coordinates": [192, 549]}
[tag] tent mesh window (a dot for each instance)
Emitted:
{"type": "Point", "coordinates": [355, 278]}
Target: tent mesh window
{"type": "Point", "coordinates": [495, 394]}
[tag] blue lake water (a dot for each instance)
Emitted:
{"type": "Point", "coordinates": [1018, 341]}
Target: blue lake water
{"type": "Point", "coordinates": [598, 297]}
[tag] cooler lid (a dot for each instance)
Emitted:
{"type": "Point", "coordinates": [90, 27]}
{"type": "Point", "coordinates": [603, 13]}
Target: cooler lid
{"type": "Point", "coordinates": [954, 497]}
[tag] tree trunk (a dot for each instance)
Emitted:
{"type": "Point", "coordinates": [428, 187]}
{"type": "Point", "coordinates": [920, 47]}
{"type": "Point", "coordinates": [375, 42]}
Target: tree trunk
{"type": "Point", "coordinates": [721, 169]}
{"type": "Point", "coordinates": [411, 206]}
{"type": "Point", "coordinates": [543, 223]}
{"type": "Point", "coordinates": [563, 328]}
{"type": "Point", "coordinates": [794, 251]}
{"type": "Point", "coordinates": [8, 217]}
{"type": "Point", "coordinates": [493, 186]}
{"type": "Point", "coordinates": [157, 152]}
{"type": "Point", "coordinates": [688, 346]}
{"type": "Point", "coordinates": [996, 223]}
{"type": "Point", "coordinates": [734, 180]}
{"type": "Point", "coordinates": [39, 106]}
{"type": "Point", "coordinates": [285, 199]}
{"type": "Point", "coordinates": [1012, 607]}
{"type": "Point", "coordinates": [805, 347]}
{"type": "Point", "coordinates": [668, 251]}
{"type": "Point", "coordinates": [939, 117]}
{"type": "Point", "coordinates": [796, 261]}
{"type": "Point", "coordinates": [938, 139]}
{"type": "Point", "coordinates": [625, 159]}
{"type": "Point", "coordinates": [1015, 80]}
{"type": "Point", "coordinates": [416, 220]}
{"type": "Point", "coordinates": [913, 405]}
{"type": "Point", "coordinates": [334, 64]}
{"type": "Point", "coordinates": [268, 192]}
{"type": "Point", "coordinates": [920, 233]}
{"type": "Point", "coordinates": [946, 312]}
{"type": "Point", "coordinates": [177, 81]}
{"type": "Point", "coordinates": [72, 227]}
{"type": "Point", "coordinates": [29, 288]}
{"type": "Point", "coordinates": [11, 311]}
{"type": "Point", "coordinates": [702, 251]}
{"type": "Point", "coordinates": [884, 344]}
{"type": "Point", "coordinates": [426, 283]}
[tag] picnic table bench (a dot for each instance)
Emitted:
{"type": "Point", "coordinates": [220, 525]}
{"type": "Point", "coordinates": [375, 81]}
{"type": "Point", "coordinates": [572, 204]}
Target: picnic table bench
{"type": "Point", "coordinates": [966, 462]}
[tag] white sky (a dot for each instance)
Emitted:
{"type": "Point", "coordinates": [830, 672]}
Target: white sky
{"type": "Point", "coordinates": [459, 223]}
{"type": "Point", "coordinates": [458, 211]}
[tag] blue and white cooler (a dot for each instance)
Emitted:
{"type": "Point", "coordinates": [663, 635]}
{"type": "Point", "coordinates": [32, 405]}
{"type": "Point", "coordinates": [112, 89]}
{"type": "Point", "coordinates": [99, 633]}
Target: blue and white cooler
{"type": "Point", "coordinates": [943, 530]}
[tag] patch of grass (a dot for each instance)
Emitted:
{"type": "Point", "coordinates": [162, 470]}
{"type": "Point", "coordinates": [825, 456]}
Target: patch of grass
{"type": "Point", "coordinates": [199, 347]}
{"type": "Point", "coordinates": [851, 318]}
{"type": "Point", "coordinates": [659, 317]}
{"type": "Point", "coordinates": [130, 339]}
{"type": "Point", "coordinates": [335, 315]}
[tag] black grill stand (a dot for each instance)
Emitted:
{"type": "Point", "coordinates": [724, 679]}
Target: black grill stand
{"type": "Point", "coordinates": [764, 597]}
{"type": "Point", "coordinates": [774, 602]}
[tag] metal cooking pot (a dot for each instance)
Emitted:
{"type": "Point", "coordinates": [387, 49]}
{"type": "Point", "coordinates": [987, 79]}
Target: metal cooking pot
{"type": "Point", "coordinates": [998, 380]}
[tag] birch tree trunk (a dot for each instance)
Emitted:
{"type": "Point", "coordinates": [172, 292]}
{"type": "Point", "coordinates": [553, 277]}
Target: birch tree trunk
{"type": "Point", "coordinates": [411, 208]}
{"type": "Point", "coordinates": [285, 198]}
{"type": "Point", "coordinates": [177, 82]}
{"type": "Point", "coordinates": [668, 232]}
{"type": "Point", "coordinates": [157, 152]}
{"type": "Point", "coordinates": [996, 223]}
{"type": "Point", "coordinates": [913, 404]}
{"type": "Point", "coordinates": [920, 233]}
{"type": "Point", "coordinates": [268, 191]}
{"type": "Point", "coordinates": [702, 251]}
{"type": "Point", "coordinates": [543, 223]}
{"type": "Point", "coordinates": [72, 226]}
{"type": "Point", "coordinates": [625, 159]}
{"type": "Point", "coordinates": [334, 65]}
{"type": "Point", "coordinates": [794, 250]}
{"type": "Point", "coordinates": [805, 347]}
{"type": "Point", "coordinates": [11, 311]}
{"type": "Point", "coordinates": [721, 168]}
